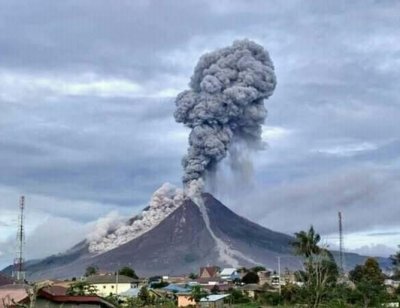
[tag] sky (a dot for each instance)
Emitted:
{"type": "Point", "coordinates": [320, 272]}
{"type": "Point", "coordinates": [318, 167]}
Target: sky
{"type": "Point", "coordinates": [87, 93]}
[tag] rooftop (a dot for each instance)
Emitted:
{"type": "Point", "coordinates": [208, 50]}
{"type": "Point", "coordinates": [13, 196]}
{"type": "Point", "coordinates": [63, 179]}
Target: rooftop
{"type": "Point", "coordinates": [4, 280]}
{"type": "Point", "coordinates": [228, 271]}
{"type": "Point", "coordinates": [214, 297]}
{"type": "Point", "coordinates": [97, 279]}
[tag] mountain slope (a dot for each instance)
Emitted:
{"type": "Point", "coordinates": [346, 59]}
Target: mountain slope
{"type": "Point", "coordinates": [181, 243]}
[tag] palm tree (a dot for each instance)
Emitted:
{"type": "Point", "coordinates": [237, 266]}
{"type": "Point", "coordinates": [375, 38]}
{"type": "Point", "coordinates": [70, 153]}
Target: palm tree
{"type": "Point", "coordinates": [306, 243]}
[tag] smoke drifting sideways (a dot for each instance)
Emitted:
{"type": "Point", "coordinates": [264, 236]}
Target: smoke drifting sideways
{"type": "Point", "coordinates": [113, 231]}
{"type": "Point", "coordinates": [225, 106]}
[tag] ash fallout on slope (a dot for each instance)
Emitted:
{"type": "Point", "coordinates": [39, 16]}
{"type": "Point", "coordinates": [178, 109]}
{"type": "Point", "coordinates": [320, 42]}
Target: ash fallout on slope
{"type": "Point", "coordinates": [225, 106]}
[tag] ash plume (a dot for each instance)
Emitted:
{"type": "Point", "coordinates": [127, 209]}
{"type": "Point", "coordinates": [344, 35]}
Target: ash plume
{"type": "Point", "coordinates": [224, 105]}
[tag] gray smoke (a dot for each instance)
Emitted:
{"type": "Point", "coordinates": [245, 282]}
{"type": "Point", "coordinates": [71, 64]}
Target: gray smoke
{"type": "Point", "coordinates": [225, 105]}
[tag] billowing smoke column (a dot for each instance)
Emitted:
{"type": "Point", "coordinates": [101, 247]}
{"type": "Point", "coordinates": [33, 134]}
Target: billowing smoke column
{"type": "Point", "coordinates": [225, 105]}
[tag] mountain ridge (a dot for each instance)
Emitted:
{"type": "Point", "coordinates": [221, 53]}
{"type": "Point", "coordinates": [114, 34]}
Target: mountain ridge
{"type": "Point", "coordinates": [180, 244]}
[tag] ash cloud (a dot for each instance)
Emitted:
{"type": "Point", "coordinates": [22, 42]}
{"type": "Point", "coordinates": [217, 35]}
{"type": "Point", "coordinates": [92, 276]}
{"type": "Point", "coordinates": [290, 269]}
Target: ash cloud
{"type": "Point", "coordinates": [225, 105]}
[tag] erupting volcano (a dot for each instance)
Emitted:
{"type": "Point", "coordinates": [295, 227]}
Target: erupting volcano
{"type": "Point", "coordinates": [185, 228]}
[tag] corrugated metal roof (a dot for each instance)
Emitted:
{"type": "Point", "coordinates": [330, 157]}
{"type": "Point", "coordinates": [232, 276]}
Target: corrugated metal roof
{"type": "Point", "coordinates": [177, 289]}
{"type": "Point", "coordinates": [214, 297]}
{"type": "Point", "coordinates": [133, 292]}
{"type": "Point", "coordinates": [227, 271]}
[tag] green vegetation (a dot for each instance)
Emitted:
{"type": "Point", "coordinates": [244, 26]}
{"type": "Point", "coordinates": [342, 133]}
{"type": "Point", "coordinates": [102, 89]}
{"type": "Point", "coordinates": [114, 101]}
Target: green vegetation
{"type": "Point", "coordinates": [250, 277]}
{"type": "Point", "coordinates": [81, 288]}
{"type": "Point", "coordinates": [319, 284]}
{"type": "Point", "coordinates": [91, 270]}
{"type": "Point", "coordinates": [127, 271]}
{"type": "Point", "coordinates": [197, 293]}
{"type": "Point", "coordinates": [193, 276]}
{"type": "Point", "coordinates": [396, 263]}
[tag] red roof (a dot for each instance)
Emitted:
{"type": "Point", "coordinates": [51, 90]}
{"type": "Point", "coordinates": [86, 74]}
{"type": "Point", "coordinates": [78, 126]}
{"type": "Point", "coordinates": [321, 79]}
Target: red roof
{"type": "Point", "coordinates": [75, 299]}
{"type": "Point", "coordinates": [208, 271]}
{"type": "Point", "coordinates": [5, 280]}
{"type": "Point", "coordinates": [56, 290]}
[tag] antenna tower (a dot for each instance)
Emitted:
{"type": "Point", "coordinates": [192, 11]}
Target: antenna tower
{"type": "Point", "coordinates": [341, 255]}
{"type": "Point", "coordinates": [18, 272]}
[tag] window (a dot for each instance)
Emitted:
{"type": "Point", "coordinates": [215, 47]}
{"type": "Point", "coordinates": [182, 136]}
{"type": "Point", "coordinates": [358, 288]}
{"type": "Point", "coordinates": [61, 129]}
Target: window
{"type": "Point", "coordinates": [104, 287]}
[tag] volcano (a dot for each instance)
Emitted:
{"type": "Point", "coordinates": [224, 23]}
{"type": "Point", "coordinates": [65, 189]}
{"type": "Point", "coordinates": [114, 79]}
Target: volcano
{"type": "Point", "coordinates": [180, 244]}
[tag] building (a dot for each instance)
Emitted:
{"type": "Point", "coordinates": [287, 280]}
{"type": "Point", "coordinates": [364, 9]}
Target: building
{"type": "Point", "coordinates": [52, 297]}
{"type": "Point", "coordinates": [173, 288]}
{"type": "Point", "coordinates": [209, 272]}
{"type": "Point", "coordinates": [229, 274]}
{"type": "Point", "coordinates": [112, 284]}
{"type": "Point", "coordinates": [12, 293]}
{"type": "Point", "coordinates": [213, 301]}
{"type": "Point", "coordinates": [265, 276]}
{"type": "Point", "coordinates": [252, 290]}
{"type": "Point", "coordinates": [134, 293]}
{"type": "Point", "coordinates": [185, 299]}
{"type": "Point", "coordinates": [5, 280]}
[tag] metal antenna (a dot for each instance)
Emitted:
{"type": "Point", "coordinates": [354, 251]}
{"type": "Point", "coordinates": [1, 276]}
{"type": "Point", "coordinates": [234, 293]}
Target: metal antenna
{"type": "Point", "coordinates": [18, 272]}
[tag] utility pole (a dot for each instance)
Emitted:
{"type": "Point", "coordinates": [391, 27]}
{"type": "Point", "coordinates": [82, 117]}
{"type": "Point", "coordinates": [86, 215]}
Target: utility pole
{"type": "Point", "coordinates": [279, 275]}
{"type": "Point", "coordinates": [116, 282]}
{"type": "Point", "coordinates": [18, 272]}
{"type": "Point", "coordinates": [341, 255]}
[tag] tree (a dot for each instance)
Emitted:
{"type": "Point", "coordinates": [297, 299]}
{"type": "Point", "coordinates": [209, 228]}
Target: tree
{"type": "Point", "coordinates": [368, 279]}
{"type": "Point", "coordinates": [215, 289]}
{"type": "Point", "coordinates": [127, 271]}
{"type": "Point", "coordinates": [81, 288]}
{"type": "Point", "coordinates": [306, 243]}
{"type": "Point", "coordinates": [113, 299]}
{"type": "Point", "coordinates": [257, 268]}
{"type": "Point", "coordinates": [237, 297]}
{"type": "Point", "coordinates": [251, 277]}
{"type": "Point", "coordinates": [197, 294]}
{"type": "Point", "coordinates": [145, 296]}
{"type": "Point", "coordinates": [320, 272]}
{"type": "Point", "coordinates": [396, 263]}
{"type": "Point", "coordinates": [193, 276]}
{"type": "Point", "coordinates": [91, 270]}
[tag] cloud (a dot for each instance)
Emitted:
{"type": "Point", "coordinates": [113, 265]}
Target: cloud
{"type": "Point", "coordinates": [375, 250]}
{"type": "Point", "coordinates": [366, 197]}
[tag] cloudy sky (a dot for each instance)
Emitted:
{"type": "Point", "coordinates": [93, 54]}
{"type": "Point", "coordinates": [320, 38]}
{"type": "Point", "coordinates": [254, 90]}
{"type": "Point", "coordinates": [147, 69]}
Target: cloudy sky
{"type": "Point", "coordinates": [87, 94]}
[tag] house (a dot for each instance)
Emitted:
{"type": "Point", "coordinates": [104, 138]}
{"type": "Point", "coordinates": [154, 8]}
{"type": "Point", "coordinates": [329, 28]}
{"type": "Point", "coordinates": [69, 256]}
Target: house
{"type": "Point", "coordinates": [185, 299]}
{"type": "Point", "coordinates": [12, 293]}
{"type": "Point", "coordinates": [210, 281]}
{"type": "Point", "coordinates": [252, 290]}
{"type": "Point", "coordinates": [5, 280]}
{"type": "Point", "coordinates": [49, 297]}
{"type": "Point", "coordinates": [229, 274]}
{"type": "Point", "coordinates": [111, 283]}
{"type": "Point", "coordinates": [209, 272]}
{"type": "Point", "coordinates": [177, 279]}
{"type": "Point", "coordinates": [134, 292]}
{"type": "Point", "coordinates": [173, 288]}
{"type": "Point", "coordinates": [265, 276]}
{"type": "Point", "coordinates": [391, 285]}
{"type": "Point", "coordinates": [220, 287]}
{"type": "Point", "coordinates": [213, 300]}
